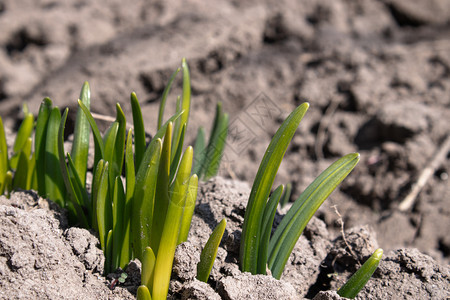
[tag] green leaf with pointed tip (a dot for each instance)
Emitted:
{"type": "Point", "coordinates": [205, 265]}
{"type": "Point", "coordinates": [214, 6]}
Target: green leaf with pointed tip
{"type": "Point", "coordinates": [125, 254]}
{"type": "Point", "coordinates": [162, 191]}
{"type": "Point", "coordinates": [21, 175]}
{"type": "Point", "coordinates": [94, 192]}
{"type": "Point", "coordinates": [148, 267]}
{"type": "Point", "coordinates": [80, 146]}
{"type": "Point", "coordinates": [216, 147]}
{"type": "Point", "coordinates": [3, 157]}
{"type": "Point", "coordinates": [185, 106]}
{"type": "Point", "coordinates": [39, 143]}
{"type": "Point", "coordinates": [8, 183]}
{"type": "Point", "coordinates": [73, 188]}
{"type": "Point", "coordinates": [109, 140]}
{"type": "Point", "coordinates": [139, 131]}
{"type": "Point", "coordinates": [209, 253]}
{"type": "Point", "coordinates": [286, 195]}
{"type": "Point", "coordinates": [108, 252]}
{"type": "Point", "coordinates": [54, 181]}
{"type": "Point", "coordinates": [143, 201]}
{"type": "Point", "coordinates": [251, 231]}
{"type": "Point", "coordinates": [358, 280]}
{"type": "Point", "coordinates": [104, 211]}
{"type": "Point", "coordinates": [293, 223]}
{"type": "Point", "coordinates": [267, 224]}
{"type": "Point", "coordinates": [199, 152]}
{"type": "Point", "coordinates": [176, 158]}
{"type": "Point", "coordinates": [25, 130]}
{"type": "Point", "coordinates": [189, 207]}
{"type": "Point", "coordinates": [118, 218]}
{"type": "Point", "coordinates": [162, 104]}
{"type": "Point", "coordinates": [31, 176]}
{"type": "Point", "coordinates": [98, 141]}
{"type": "Point", "coordinates": [80, 191]}
{"type": "Point", "coordinates": [166, 251]}
{"type": "Point", "coordinates": [143, 293]}
{"type": "Point", "coordinates": [119, 145]}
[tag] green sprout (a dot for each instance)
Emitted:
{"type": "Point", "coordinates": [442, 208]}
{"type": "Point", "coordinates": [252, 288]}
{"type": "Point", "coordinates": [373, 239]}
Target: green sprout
{"type": "Point", "coordinates": [257, 250]}
{"type": "Point", "coordinates": [19, 171]}
{"type": "Point", "coordinates": [209, 253]}
{"type": "Point", "coordinates": [358, 280]}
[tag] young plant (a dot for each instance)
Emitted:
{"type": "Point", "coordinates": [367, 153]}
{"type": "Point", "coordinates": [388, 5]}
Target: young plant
{"type": "Point", "coordinates": [255, 230]}
{"type": "Point", "coordinates": [209, 253]}
{"type": "Point", "coordinates": [18, 172]}
{"type": "Point", "coordinates": [207, 158]}
{"type": "Point", "coordinates": [358, 280]}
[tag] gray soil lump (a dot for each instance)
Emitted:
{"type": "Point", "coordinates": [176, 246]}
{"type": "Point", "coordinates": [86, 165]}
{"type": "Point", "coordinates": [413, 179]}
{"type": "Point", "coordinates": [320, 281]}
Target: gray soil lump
{"type": "Point", "coordinates": [40, 258]}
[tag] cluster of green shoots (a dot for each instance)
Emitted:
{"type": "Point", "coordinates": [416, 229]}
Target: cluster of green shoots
{"type": "Point", "coordinates": [147, 212]}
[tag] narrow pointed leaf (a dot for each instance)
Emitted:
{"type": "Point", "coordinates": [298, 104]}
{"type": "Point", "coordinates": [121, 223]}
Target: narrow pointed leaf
{"type": "Point", "coordinates": [184, 105]}
{"type": "Point", "coordinates": [143, 201]}
{"type": "Point", "coordinates": [80, 146]}
{"type": "Point", "coordinates": [292, 225]}
{"type": "Point", "coordinates": [164, 259]}
{"type": "Point", "coordinates": [199, 152]}
{"type": "Point", "coordinates": [261, 189]}
{"type": "Point", "coordinates": [54, 181]}
{"type": "Point", "coordinates": [267, 223]}
{"type": "Point", "coordinates": [286, 195]}
{"type": "Point", "coordinates": [139, 131]}
{"type": "Point", "coordinates": [7, 185]}
{"type": "Point", "coordinates": [176, 158]}
{"type": "Point", "coordinates": [31, 176]}
{"type": "Point", "coordinates": [125, 254]}
{"type": "Point", "coordinates": [94, 192]}
{"type": "Point", "coordinates": [162, 191]}
{"type": "Point", "coordinates": [109, 140]}
{"type": "Point", "coordinates": [358, 280]}
{"type": "Point", "coordinates": [20, 177]}
{"type": "Point", "coordinates": [39, 143]}
{"type": "Point", "coordinates": [104, 214]}
{"type": "Point", "coordinates": [108, 252]}
{"type": "Point", "coordinates": [162, 104]}
{"type": "Point", "coordinates": [118, 217]}
{"type": "Point", "coordinates": [74, 192]}
{"type": "Point", "coordinates": [209, 253]}
{"type": "Point", "coordinates": [216, 147]}
{"type": "Point", "coordinates": [3, 157]}
{"type": "Point", "coordinates": [119, 145]}
{"type": "Point", "coordinates": [98, 142]}
{"type": "Point", "coordinates": [25, 130]}
{"type": "Point", "coordinates": [143, 293]}
{"type": "Point", "coordinates": [148, 267]}
{"type": "Point", "coordinates": [189, 207]}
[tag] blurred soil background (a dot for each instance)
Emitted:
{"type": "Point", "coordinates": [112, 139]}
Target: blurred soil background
{"type": "Point", "coordinates": [376, 75]}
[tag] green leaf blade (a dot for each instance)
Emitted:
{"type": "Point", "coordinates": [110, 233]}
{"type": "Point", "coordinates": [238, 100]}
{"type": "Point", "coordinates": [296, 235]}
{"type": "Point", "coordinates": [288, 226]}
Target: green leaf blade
{"type": "Point", "coordinates": [143, 200]}
{"type": "Point", "coordinates": [139, 131]}
{"type": "Point", "coordinates": [3, 157]}
{"type": "Point", "coordinates": [40, 141]}
{"type": "Point", "coordinates": [80, 146]}
{"type": "Point", "coordinates": [261, 189]}
{"type": "Point", "coordinates": [292, 225]}
{"type": "Point", "coordinates": [162, 105]}
{"type": "Point", "coordinates": [266, 229]}
{"type": "Point", "coordinates": [358, 280]}
{"type": "Point", "coordinates": [209, 252]}
{"type": "Point", "coordinates": [54, 181]}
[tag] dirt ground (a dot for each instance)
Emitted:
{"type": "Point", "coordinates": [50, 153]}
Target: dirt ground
{"type": "Point", "coordinates": [376, 75]}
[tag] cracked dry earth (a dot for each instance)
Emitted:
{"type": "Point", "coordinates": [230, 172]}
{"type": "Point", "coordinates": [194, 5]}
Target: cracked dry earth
{"type": "Point", "coordinates": [42, 258]}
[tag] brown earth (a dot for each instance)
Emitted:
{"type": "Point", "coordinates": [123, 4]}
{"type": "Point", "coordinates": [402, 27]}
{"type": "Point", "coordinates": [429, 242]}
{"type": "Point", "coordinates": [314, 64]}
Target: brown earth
{"type": "Point", "coordinates": [376, 74]}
